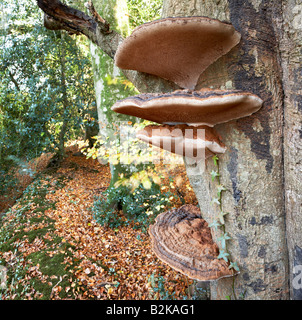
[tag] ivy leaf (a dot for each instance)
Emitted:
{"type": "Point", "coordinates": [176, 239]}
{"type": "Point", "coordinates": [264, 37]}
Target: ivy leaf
{"type": "Point", "coordinates": [223, 255]}
{"type": "Point", "coordinates": [216, 200]}
{"type": "Point", "coordinates": [214, 224]}
{"type": "Point", "coordinates": [223, 240]}
{"type": "Point", "coordinates": [221, 216]}
{"type": "Point", "coordinates": [220, 188]}
{"type": "Point", "coordinates": [214, 174]}
{"type": "Point", "coordinates": [234, 265]}
{"type": "Point", "coordinates": [215, 159]}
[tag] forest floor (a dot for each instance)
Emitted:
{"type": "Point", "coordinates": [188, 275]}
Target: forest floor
{"type": "Point", "coordinates": [52, 248]}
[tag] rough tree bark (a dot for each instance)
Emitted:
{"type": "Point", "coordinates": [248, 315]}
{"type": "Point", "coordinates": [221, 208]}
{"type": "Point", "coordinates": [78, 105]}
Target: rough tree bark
{"type": "Point", "coordinates": [252, 168]}
{"type": "Point", "coordinates": [261, 166]}
{"type": "Point", "coordinates": [103, 69]}
{"type": "Point", "coordinates": [290, 39]}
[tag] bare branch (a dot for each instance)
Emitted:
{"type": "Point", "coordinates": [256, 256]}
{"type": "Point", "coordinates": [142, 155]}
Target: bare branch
{"type": "Point", "coordinates": [14, 80]}
{"type": "Point", "coordinates": [97, 30]}
{"type": "Point", "coordinates": [52, 24]}
{"type": "Point", "coordinates": [60, 16]}
{"type": "Point", "coordinates": [103, 24]}
{"type": "Point", "coordinates": [70, 17]}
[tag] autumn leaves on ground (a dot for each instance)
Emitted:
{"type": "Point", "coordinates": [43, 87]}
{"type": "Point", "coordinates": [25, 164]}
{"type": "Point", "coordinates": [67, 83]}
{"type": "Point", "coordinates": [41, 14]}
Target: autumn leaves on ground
{"type": "Point", "coordinates": [53, 248]}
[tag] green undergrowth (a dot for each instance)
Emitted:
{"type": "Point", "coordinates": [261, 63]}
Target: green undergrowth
{"type": "Point", "coordinates": [33, 255]}
{"type": "Point", "coordinates": [120, 206]}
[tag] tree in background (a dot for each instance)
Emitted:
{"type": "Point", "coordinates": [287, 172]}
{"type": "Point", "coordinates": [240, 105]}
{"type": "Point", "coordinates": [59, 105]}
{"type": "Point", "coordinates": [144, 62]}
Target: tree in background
{"type": "Point", "coordinates": [46, 93]}
{"type": "Point", "coordinates": [110, 82]}
{"type": "Point", "coordinates": [260, 168]}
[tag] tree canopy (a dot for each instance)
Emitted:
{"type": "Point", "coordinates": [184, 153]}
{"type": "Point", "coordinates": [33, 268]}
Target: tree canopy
{"type": "Point", "coordinates": [47, 91]}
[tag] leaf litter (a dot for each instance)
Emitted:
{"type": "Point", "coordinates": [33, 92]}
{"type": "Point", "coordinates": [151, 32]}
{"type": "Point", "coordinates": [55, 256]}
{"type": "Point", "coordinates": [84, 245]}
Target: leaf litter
{"type": "Point", "coordinates": [54, 249]}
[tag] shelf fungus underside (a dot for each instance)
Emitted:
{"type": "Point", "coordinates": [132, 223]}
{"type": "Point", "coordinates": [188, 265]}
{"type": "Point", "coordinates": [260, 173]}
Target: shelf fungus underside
{"type": "Point", "coordinates": [204, 107]}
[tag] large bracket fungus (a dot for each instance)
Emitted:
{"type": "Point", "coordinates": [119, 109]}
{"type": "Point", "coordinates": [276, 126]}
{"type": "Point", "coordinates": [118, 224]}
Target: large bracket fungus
{"type": "Point", "coordinates": [204, 107]}
{"type": "Point", "coordinates": [177, 49]}
{"type": "Point", "coordinates": [182, 239]}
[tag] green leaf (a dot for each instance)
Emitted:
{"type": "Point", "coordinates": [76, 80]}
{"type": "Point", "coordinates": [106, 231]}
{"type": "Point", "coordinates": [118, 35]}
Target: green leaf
{"type": "Point", "coordinates": [223, 255]}
{"type": "Point", "coordinates": [216, 200]}
{"type": "Point", "coordinates": [214, 224]}
{"type": "Point", "coordinates": [223, 240]}
{"type": "Point", "coordinates": [221, 216]}
{"type": "Point", "coordinates": [214, 174]}
{"type": "Point", "coordinates": [146, 183]}
{"type": "Point", "coordinates": [233, 265]}
{"type": "Point", "coordinates": [215, 159]}
{"type": "Point", "coordinates": [220, 188]}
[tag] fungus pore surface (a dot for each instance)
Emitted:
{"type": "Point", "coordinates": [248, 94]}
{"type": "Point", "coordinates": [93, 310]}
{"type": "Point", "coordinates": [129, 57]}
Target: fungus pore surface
{"type": "Point", "coordinates": [204, 107]}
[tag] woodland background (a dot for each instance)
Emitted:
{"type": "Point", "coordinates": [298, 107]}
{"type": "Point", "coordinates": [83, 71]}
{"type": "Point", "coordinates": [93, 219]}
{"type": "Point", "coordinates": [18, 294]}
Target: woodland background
{"type": "Point", "coordinates": [61, 232]}
{"type": "Point", "coordinates": [57, 88]}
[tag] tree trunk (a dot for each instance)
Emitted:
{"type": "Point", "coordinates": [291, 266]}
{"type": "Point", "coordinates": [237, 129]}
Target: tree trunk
{"type": "Point", "coordinates": [105, 71]}
{"type": "Point", "coordinates": [290, 40]}
{"type": "Point", "coordinates": [65, 101]}
{"type": "Point", "coordinates": [252, 167]}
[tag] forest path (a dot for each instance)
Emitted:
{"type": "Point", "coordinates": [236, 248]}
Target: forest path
{"type": "Point", "coordinates": [54, 249]}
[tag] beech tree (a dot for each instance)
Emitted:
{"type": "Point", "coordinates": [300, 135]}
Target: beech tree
{"type": "Point", "coordinates": [262, 165]}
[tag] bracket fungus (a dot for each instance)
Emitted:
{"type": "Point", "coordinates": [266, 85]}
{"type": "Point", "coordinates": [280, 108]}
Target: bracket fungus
{"type": "Point", "coordinates": [194, 142]}
{"type": "Point", "coordinates": [178, 49]}
{"type": "Point", "coordinates": [183, 240]}
{"type": "Point", "coordinates": [204, 107]}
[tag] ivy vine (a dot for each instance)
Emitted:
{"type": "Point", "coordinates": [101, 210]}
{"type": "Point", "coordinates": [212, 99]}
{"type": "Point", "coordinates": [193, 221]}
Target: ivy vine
{"type": "Point", "coordinates": [219, 221]}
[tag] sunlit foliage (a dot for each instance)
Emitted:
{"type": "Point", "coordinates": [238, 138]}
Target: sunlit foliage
{"type": "Point", "coordinates": [46, 85]}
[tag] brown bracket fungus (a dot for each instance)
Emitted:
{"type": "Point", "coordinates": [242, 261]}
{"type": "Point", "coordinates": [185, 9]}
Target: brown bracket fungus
{"type": "Point", "coordinates": [183, 240]}
{"type": "Point", "coordinates": [204, 107]}
{"type": "Point", "coordinates": [194, 142]}
{"type": "Point", "coordinates": [178, 49]}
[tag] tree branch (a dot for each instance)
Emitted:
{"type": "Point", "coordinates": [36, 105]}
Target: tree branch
{"type": "Point", "coordinates": [103, 24]}
{"type": "Point", "coordinates": [98, 31]}
{"type": "Point", "coordinates": [60, 16]}
{"type": "Point", "coordinates": [52, 24]}
{"type": "Point", "coordinates": [14, 80]}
